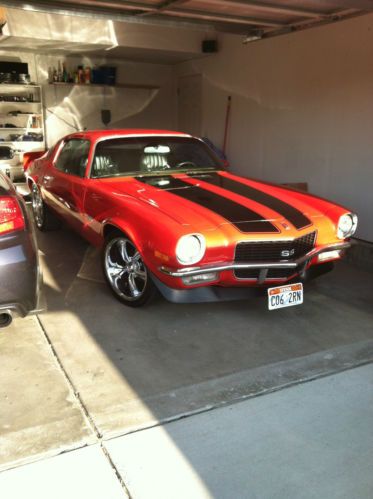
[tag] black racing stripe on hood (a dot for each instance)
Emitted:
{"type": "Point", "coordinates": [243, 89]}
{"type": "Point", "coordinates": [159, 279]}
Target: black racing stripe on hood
{"type": "Point", "coordinates": [294, 216]}
{"type": "Point", "coordinates": [243, 218]}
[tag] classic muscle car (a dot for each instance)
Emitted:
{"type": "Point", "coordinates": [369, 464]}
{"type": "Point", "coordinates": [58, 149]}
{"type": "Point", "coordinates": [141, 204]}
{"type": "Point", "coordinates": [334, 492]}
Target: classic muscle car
{"type": "Point", "coordinates": [19, 265]}
{"type": "Point", "coordinates": [169, 216]}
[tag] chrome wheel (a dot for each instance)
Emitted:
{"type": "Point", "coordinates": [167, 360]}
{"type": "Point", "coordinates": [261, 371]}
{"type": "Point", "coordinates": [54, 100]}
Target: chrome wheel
{"type": "Point", "coordinates": [125, 270]}
{"type": "Point", "coordinates": [37, 206]}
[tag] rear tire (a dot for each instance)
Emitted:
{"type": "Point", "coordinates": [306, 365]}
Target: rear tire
{"type": "Point", "coordinates": [45, 220]}
{"type": "Point", "coordinates": [125, 272]}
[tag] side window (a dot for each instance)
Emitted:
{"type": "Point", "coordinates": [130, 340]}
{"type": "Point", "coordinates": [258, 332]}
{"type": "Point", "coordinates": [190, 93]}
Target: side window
{"type": "Point", "coordinates": [73, 157]}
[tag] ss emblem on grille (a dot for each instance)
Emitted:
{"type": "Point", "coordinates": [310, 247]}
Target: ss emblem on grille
{"type": "Point", "coordinates": [287, 253]}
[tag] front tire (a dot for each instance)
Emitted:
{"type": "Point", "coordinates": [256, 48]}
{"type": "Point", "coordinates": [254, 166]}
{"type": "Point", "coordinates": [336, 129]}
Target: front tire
{"type": "Point", "coordinates": [44, 219]}
{"type": "Point", "coordinates": [125, 271]}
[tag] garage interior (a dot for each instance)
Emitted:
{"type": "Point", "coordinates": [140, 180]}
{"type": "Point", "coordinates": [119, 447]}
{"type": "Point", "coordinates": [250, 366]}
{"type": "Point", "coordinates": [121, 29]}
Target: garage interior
{"type": "Point", "coordinates": [88, 373]}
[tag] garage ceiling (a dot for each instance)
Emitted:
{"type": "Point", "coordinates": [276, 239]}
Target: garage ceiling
{"type": "Point", "coordinates": [255, 19]}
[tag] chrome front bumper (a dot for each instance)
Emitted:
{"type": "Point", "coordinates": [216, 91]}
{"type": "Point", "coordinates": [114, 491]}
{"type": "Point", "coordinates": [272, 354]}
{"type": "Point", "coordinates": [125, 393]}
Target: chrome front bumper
{"type": "Point", "coordinates": [283, 264]}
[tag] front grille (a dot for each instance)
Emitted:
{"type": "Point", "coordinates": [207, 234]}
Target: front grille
{"type": "Point", "coordinates": [267, 251]}
{"type": "Point", "coordinates": [281, 273]}
{"type": "Point", "coordinates": [272, 273]}
{"type": "Point", "coordinates": [247, 273]}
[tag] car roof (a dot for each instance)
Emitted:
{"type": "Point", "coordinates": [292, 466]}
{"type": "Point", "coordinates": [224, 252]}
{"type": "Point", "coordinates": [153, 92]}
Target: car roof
{"type": "Point", "coordinates": [124, 132]}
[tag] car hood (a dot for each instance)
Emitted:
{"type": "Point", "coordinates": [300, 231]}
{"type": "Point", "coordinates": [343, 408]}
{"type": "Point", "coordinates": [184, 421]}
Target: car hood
{"type": "Point", "coordinates": [209, 200]}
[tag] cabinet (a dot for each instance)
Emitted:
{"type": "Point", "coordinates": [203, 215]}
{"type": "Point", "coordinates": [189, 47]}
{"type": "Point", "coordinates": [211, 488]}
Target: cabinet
{"type": "Point", "coordinates": [21, 124]}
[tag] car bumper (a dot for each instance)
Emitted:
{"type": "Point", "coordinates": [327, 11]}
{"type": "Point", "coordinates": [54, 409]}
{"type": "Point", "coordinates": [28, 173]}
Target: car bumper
{"type": "Point", "coordinates": [20, 274]}
{"type": "Point", "coordinates": [213, 293]}
{"type": "Point", "coordinates": [304, 260]}
{"type": "Point", "coordinates": [300, 265]}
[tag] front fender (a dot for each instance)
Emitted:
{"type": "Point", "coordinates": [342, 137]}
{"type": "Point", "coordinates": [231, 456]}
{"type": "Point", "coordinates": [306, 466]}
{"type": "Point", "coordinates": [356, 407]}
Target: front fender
{"type": "Point", "coordinates": [156, 241]}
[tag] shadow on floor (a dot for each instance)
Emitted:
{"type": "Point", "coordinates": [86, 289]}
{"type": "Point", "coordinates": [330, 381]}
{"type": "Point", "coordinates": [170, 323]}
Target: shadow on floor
{"type": "Point", "coordinates": [135, 367]}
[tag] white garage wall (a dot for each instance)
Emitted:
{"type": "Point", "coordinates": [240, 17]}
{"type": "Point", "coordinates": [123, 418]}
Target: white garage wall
{"type": "Point", "coordinates": [302, 110]}
{"type": "Point", "coordinates": [81, 105]}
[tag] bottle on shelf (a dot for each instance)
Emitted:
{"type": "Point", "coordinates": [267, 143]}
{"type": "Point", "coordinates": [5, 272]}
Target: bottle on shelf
{"type": "Point", "coordinates": [59, 72]}
{"type": "Point", "coordinates": [50, 75]}
{"type": "Point", "coordinates": [81, 75]}
{"type": "Point", "coordinates": [87, 73]}
{"type": "Point", "coordinates": [65, 76]}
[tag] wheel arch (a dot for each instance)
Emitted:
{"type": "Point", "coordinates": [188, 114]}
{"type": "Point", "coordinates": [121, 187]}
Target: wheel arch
{"type": "Point", "coordinates": [31, 181]}
{"type": "Point", "coordinates": [112, 226]}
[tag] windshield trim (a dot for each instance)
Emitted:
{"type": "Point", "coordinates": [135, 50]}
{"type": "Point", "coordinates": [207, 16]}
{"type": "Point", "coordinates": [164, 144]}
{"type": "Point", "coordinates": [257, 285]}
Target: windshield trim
{"type": "Point", "coordinates": [161, 172]}
{"type": "Point", "coordinates": [124, 136]}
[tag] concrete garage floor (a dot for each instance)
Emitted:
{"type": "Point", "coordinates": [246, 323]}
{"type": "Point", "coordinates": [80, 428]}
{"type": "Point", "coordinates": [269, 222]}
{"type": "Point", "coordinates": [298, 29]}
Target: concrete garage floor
{"type": "Point", "coordinates": [89, 369]}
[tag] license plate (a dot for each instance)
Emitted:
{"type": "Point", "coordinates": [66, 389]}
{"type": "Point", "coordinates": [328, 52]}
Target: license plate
{"type": "Point", "coordinates": [285, 296]}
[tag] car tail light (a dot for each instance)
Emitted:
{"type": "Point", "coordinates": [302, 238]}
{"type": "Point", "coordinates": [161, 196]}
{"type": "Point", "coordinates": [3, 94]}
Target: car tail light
{"type": "Point", "coordinates": [11, 216]}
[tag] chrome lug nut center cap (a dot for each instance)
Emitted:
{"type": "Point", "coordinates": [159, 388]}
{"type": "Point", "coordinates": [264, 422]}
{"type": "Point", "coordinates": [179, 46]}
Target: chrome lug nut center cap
{"type": "Point", "coordinates": [133, 267]}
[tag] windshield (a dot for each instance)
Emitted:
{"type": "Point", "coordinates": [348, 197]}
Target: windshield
{"type": "Point", "coordinates": [150, 155]}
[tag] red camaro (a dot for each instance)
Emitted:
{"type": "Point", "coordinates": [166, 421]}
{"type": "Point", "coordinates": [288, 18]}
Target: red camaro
{"type": "Point", "coordinates": [169, 216]}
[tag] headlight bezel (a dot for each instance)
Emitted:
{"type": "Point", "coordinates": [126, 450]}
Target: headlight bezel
{"type": "Point", "coordinates": [193, 258]}
{"type": "Point", "coordinates": [347, 232]}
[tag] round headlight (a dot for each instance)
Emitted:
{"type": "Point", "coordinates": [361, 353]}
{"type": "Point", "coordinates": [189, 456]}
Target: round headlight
{"type": "Point", "coordinates": [347, 225]}
{"type": "Point", "coordinates": [190, 249]}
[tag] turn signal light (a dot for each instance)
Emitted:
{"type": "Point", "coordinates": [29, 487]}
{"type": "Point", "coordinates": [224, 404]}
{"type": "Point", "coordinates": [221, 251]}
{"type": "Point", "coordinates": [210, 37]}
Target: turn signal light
{"type": "Point", "coordinates": [329, 255]}
{"type": "Point", "coordinates": [11, 216]}
{"type": "Point", "coordinates": [199, 278]}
